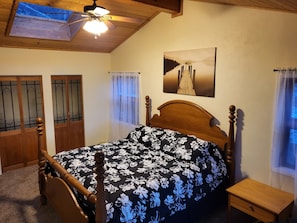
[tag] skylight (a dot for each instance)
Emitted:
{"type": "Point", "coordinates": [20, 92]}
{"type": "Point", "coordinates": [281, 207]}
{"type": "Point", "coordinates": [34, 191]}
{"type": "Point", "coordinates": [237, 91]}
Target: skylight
{"type": "Point", "coordinates": [44, 22]}
{"type": "Point", "coordinates": [40, 11]}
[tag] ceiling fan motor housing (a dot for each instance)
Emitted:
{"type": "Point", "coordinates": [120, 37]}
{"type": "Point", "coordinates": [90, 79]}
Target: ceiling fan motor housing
{"type": "Point", "coordinates": [90, 7]}
{"type": "Point", "coordinates": [95, 10]}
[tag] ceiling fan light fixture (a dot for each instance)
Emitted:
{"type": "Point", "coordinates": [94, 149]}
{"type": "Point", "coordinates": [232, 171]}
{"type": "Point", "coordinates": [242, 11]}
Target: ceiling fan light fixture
{"type": "Point", "coordinates": [95, 26]}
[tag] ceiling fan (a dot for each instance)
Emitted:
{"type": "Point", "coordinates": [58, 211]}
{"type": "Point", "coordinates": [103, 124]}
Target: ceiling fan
{"type": "Point", "coordinates": [98, 19]}
{"type": "Point", "coordinates": [46, 22]}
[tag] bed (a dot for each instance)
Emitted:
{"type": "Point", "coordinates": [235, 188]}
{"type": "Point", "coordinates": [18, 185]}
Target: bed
{"type": "Point", "coordinates": [174, 167]}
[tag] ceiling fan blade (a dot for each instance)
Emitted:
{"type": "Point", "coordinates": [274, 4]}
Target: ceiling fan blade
{"type": "Point", "coordinates": [109, 24]}
{"type": "Point", "coordinates": [80, 13]}
{"type": "Point", "coordinates": [122, 19]}
{"type": "Point", "coordinates": [77, 21]}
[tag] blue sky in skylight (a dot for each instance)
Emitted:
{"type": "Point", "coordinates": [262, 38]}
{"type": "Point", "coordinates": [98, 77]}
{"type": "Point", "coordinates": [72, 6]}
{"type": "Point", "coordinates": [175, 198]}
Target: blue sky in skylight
{"type": "Point", "coordinates": [40, 11]}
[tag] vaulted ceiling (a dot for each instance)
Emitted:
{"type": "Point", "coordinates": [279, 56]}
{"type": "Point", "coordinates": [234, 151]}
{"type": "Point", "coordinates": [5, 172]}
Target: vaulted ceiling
{"type": "Point", "coordinates": [84, 41]}
{"type": "Point", "coordinates": [141, 10]}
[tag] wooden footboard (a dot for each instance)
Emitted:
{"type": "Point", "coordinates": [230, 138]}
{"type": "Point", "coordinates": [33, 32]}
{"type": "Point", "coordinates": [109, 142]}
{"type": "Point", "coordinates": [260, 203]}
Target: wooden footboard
{"type": "Point", "coordinates": [57, 190]}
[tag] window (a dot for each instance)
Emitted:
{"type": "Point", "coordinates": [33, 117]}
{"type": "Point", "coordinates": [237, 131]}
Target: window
{"type": "Point", "coordinates": [125, 103]}
{"type": "Point", "coordinates": [285, 126]}
{"type": "Point", "coordinates": [125, 95]}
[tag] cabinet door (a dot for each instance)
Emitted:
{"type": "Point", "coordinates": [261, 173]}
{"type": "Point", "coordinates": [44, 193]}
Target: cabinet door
{"type": "Point", "coordinates": [68, 112]}
{"type": "Point", "coordinates": [10, 123]}
{"type": "Point", "coordinates": [32, 108]}
{"type": "Point", "coordinates": [21, 103]}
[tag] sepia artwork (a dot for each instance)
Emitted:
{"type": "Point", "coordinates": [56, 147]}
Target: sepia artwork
{"type": "Point", "coordinates": [190, 72]}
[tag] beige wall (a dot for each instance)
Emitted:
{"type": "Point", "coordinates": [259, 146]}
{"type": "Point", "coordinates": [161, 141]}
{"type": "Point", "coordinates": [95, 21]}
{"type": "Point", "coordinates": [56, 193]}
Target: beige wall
{"type": "Point", "coordinates": [250, 44]}
{"type": "Point", "coordinates": [93, 66]}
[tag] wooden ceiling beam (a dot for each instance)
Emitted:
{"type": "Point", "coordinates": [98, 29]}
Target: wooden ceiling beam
{"type": "Point", "coordinates": [281, 5]}
{"type": "Point", "coordinates": [171, 6]}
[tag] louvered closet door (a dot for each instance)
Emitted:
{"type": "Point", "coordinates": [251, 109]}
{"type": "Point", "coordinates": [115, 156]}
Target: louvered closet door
{"type": "Point", "coordinates": [21, 103]}
{"type": "Point", "coordinates": [68, 112]}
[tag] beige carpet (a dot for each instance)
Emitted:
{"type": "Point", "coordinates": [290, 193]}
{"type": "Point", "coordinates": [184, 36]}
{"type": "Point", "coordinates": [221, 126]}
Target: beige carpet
{"type": "Point", "coordinates": [19, 198]}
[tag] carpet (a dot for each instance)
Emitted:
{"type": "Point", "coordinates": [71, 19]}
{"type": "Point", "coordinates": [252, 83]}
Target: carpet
{"type": "Point", "coordinates": [19, 198]}
{"type": "Point", "coordinates": [20, 203]}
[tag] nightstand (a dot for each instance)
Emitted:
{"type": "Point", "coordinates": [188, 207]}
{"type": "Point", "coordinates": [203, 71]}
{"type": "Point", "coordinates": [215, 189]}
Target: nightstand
{"type": "Point", "coordinates": [260, 201]}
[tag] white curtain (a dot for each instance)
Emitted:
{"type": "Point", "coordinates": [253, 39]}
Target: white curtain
{"type": "Point", "coordinates": [284, 162]}
{"type": "Point", "coordinates": [124, 104]}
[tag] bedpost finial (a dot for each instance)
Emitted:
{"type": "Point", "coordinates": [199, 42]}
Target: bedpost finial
{"type": "Point", "coordinates": [39, 123]}
{"type": "Point", "coordinates": [39, 120]}
{"type": "Point", "coordinates": [147, 102]}
{"type": "Point", "coordinates": [232, 109]}
{"type": "Point", "coordinates": [148, 110]}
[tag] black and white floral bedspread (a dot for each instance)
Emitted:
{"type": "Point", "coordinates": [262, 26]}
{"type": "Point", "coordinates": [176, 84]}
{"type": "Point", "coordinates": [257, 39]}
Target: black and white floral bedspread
{"type": "Point", "coordinates": [152, 174]}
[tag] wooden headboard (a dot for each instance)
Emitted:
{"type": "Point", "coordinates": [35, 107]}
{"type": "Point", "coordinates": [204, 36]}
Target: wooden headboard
{"type": "Point", "coordinates": [190, 118]}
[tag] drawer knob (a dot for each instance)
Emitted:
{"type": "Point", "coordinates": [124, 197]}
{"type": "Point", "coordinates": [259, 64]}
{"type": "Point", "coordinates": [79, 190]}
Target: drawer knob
{"type": "Point", "coordinates": [251, 207]}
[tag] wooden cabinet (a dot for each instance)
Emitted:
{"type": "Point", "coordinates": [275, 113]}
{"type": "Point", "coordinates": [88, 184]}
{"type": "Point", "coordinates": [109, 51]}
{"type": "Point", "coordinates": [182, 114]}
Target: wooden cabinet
{"type": "Point", "coordinates": [260, 201]}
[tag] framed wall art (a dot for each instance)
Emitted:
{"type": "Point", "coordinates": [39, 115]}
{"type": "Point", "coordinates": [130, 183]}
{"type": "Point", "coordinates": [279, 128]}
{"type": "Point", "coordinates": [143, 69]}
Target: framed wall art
{"type": "Point", "coordinates": [190, 72]}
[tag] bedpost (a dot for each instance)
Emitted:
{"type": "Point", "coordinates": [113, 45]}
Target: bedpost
{"type": "Point", "coordinates": [148, 110]}
{"type": "Point", "coordinates": [230, 150]}
{"type": "Point", "coordinates": [41, 161]}
{"type": "Point", "coordinates": [100, 202]}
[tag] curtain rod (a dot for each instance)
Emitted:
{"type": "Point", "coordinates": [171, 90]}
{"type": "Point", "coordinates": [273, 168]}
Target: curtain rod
{"type": "Point", "coordinates": [284, 69]}
{"type": "Point", "coordinates": [123, 72]}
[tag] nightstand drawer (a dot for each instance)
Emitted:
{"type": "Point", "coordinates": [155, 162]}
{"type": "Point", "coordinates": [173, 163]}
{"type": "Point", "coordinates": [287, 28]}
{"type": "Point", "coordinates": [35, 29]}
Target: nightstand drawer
{"type": "Point", "coordinates": [251, 209]}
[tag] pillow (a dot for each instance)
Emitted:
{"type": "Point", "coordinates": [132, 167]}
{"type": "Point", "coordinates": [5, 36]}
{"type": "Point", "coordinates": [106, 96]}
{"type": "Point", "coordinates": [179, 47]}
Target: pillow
{"type": "Point", "coordinates": [174, 143]}
{"type": "Point", "coordinates": [148, 136]}
{"type": "Point", "coordinates": [154, 137]}
{"type": "Point", "coordinates": [135, 134]}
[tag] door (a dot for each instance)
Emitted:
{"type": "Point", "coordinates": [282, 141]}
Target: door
{"type": "Point", "coordinates": [21, 103]}
{"type": "Point", "coordinates": [68, 111]}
